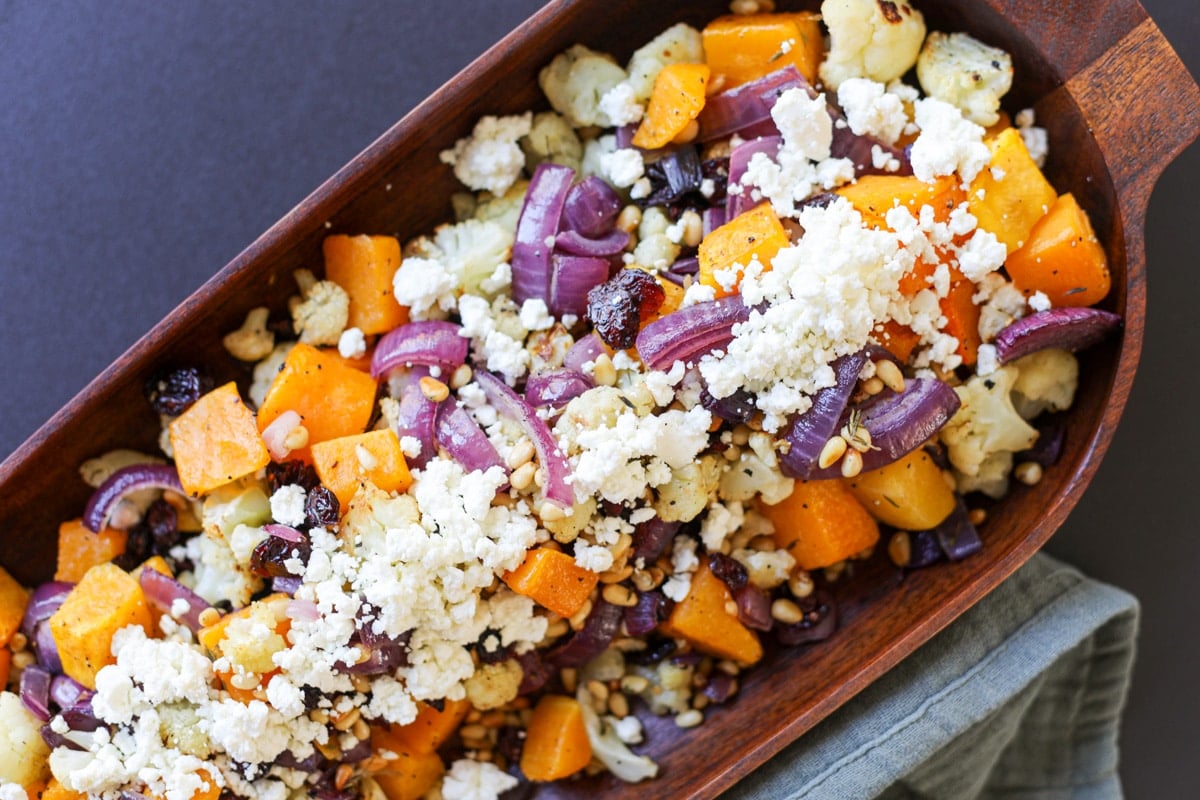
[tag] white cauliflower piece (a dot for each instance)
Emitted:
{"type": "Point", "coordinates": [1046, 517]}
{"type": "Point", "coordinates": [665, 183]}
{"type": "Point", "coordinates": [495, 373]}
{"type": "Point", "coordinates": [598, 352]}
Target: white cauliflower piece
{"type": "Point", "coordinates": [678, 44]}
{"type": "Point", "coordinates": [594, 151]}
{"type": "Point", "coordinates": [426, 287]}
{"type": "Point", "coordinates": [266, 370]}
{"type": "Point", "coordinates": [504, 209]}
{"type": "Point", "coordinates": [655, 248]}
{"type": "Point", "coordinates": [490, 158]}
{"type": "Point", "coordinates": [963, 71]}
{"type": "Point", "coordinates": [22, 752]}
{"type": "Point", "coordinates": [575, 81]}
{"type": "Point", "coordinates": [992, 479]}
{"type": "Point", "coordinates": [469, 251]}
{"type": "Point", "coordinates": [621, 106]}
{"type": "Point", "coordinates": [323, 311]}
{"type": "Point", "coordinates": [609, 749]}
{"type": "Point", "coordinates": [252, 341]}
{"type": "Point", "coordinates": [876, 39]}
{"type": "Point", "coordinates": [871, 110]}
{"type": "Point", "coordinates": [551, 139]}
{"type": "Point", "coordinates": [986, 423]}
{"type": "Point", "coordinates": [1046, 381]}
{"type": "Point", "coordinates": [494, 685]}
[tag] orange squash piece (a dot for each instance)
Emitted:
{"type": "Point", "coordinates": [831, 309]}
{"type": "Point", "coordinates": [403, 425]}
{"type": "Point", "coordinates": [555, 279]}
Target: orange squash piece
{"type": "Point", "coordinates": [13, 598]}
{"type": "Point", "coordinates": [703, 619]}
{"type": "Point", "coordinates": [873, 196]}
{"type": "Point", "coordinates": [743, 47]}
{"type": "Point", "coordinates": [430, 729]}
{"type": "Point", "coordinates": [821, 523]}
{"type": "Point", "coordinates": [344, 463]}
{"type": "Point", "coordinates": [106, 600]}
{"type": "Point", "coordinates": [56, 791]}
{"type": "Point", "coordinates": [216, 441]}
{"type": "Point", "coordinates": [1012, 194]}
{"type": "Point", "coordinates": [556, 740]}
{"type": "Point", "coordinates": [552, 579]}
{"type": "Point", "coordinates": [211, 792]}
{"type": "Point", "coordinates": [408, 773]}
{"type": "Point", "coordinates": [364, 266]}
{"type": "Point", "coordinates": [678, 97]}
{"type": "Point", "coordinates": [1063, 258]}
{"type": "Point", "coordinates": [5, 666]}
{"type": "Point", "coordinates": [210, 637]}
{"type": "Point", "coordinates": [332, 398]}
{"type": "Point", "coordinates": [756, 233]}
{"type": "Point", "coordinates": [899, 340]}
{"type": "Point", "coordinates": [79, 549]}
{"type": "Point", "coordinates": [909, 493]}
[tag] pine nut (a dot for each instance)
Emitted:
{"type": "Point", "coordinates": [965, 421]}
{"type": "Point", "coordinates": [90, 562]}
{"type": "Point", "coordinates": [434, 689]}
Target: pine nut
{"type": "Point", "coordinates": [900, 549]}
{"type": "Point", "coordinates": [688, 134]}
{"type": "Point", "coordinates": [209, 617]}
{"type": "Point", "coordinates": [475, 731]}
{"type": "Point", "coordinates": [833, 450]}
{"type": "Point", "coordinates": [580, 617]}
{"type": "Point", "coordinates": [342, 776]}
{"type": "Point", "coordinates": [18, 642]}
{"type": "Point", "coordinates": [635, 684]}
{"type": "Point", "coordinates": [629, 219]}
{"type": "Point", "coordinates": [549, 512]}
{"type": "Point", "coordinates": [616, 575]}
{"type": "Point", "coordinates": [618, 705]}
{"type": "Point", "coordinates": [731, 608]}
{"type": "Point", "coordinates": [977, 516]}
{"type": "Point", "coordinates": [1028, 473]}
{"type": "Point", "coordinates": [522, 477]}
{"type": "Point", "coordinates": [728, 667]}
{"type": "Point", "coordinates": [689, 719]}
{"type": "Point", "coordinates": [872, 386]}
{"type": "Point", "coordinates": [597, 690]}
{"type": "Point", "coordinates": [603, 371]}
{"type": "Point", "coordinates": [619, 595]}
{"type": "Point", "coordinates": [461, 376]}
{"type": "Point", "coordinates": [362, 730]}
{"type": "Point", "coordinates": [244, 681]}
{"type": "Point", "coordinates": [693, 228]}
{"type": "Point", "coordinates": [433, 389]}
{"type": "Point", "coordinates": [890, 374]}
{"type": "Point", "coordinates": [852, 464]}
{"type": "Point", "coordinates": [786, 611]}
{"type": "Point", "coordinates": [557, 629]}
{"type": "Point", "coordinates": [346, 721]}
{"type": "Point", "coordinates": [521, 453]}
{"type": "Point", "coordinates": [569, 676]}
{"type": "Point", "coordinates": [296, 438]}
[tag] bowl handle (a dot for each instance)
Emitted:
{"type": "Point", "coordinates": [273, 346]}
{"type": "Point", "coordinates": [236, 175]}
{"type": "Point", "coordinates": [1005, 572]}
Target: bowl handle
{"type": "Point", "coordinates": [1144, 109]}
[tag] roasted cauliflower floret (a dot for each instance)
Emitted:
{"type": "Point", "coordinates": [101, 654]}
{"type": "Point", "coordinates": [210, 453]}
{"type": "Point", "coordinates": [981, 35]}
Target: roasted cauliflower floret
{"type": "Point", "coordinates": [876, 39]}
{"type": "Point", "coordinates": [551, 139]}
{"type": "Point", "coordinates": [469, 251]}
{"type": "Point", "coordinates": [575, 81]}
{"type": "Point", "coordinates": [679, 44]}
{"type": "Point", "coordinates": [655, 248]}
{"type": "Point", "coordinates": [966, 73]}
{"type": "Point", "coordinates": [490, 158]}
{"type": "Point", "coordinates": [321, 312]}
{"type": "Point", "coordinates": [1046, 381]}
{"type": "Point", "coordinates": [252, 341]}
{"type": "Point", "coordinates": [986, 423]}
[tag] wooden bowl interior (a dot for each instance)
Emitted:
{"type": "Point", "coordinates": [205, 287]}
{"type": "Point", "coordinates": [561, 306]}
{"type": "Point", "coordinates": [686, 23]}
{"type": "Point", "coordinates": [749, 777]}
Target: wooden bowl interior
{"type": "Point", "coordinates": [398, 186]}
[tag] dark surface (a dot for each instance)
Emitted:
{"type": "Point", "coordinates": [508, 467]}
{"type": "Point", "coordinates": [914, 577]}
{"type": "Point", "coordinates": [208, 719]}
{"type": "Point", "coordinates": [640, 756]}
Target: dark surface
{"type": "Point", "coordinates": [142, 145]}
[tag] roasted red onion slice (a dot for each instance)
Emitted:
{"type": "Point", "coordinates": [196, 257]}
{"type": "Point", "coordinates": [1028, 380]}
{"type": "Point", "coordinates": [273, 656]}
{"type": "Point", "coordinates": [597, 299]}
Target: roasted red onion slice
{"type": "Point", "coordinates": [1064, 328]}
{"type": "Point", "coordinates": [690, 332]}
{"type": "Point", "coordinates": [162, 591]}
{"type": "Point", "coordinates": [592, 639]}
{"type": "Point", "coordinates": [713, 218]}
{"type": "Point", "coordinates": [1052, 435]}
{"type": "Point", "coordinates": [957, 535]}
{"type": "Point", "coordinates": [416, 417]}
{"type": "Point", "coordinates": [754, 607]}
{"type": "Point", "coordinates": [743, 107]}
{"type": "Point", "coordinates": [46, 648]}
{"type": "Point", "coordinates": [432, 343]}
{"type": "Point", "coordinates": [739, 160]}
{"type": "Point", "coordinates": [819, 622]}
{"type": "Point", "coordinates": [601, 246]}
{"type": "Point", "coordinates": [460, 435]}
{"type": "Point", "coordinates": [66, 692]}
{"type": "Point", "coordinates": [652, 608]}
{"type": "Point", "coordinates": [901, 422]}
{"type": "Point", "coordinates": [650, 538]}
{"type": "Point", "coordinates": [808, 432]}
{"type": "Point", "coordinates": [44, 601]}
{"type": "Point", "coordinates": [585, 350]}
{"type": "Point", "coordinates": [571, 279]}
{"type": "Point", "coordinates": [591, 208]}
{"type": "Point", "coordinates": [121, 483]}
{"type": "Point", "coordinates": [540, 217]}
{"type": "Point", "coordinates": [557, 488]}
{"type": "Point", "coordinates": [534, 672]}
{"type": "Point", "coordinates": [556, 388]}
{"type": "Point", "coordinates": [35, 691]}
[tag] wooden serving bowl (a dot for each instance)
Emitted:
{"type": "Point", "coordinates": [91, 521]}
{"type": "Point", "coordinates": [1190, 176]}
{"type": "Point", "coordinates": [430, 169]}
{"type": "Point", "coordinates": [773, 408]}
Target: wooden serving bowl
{"type": "Point", "coordinates": [1119, 106]}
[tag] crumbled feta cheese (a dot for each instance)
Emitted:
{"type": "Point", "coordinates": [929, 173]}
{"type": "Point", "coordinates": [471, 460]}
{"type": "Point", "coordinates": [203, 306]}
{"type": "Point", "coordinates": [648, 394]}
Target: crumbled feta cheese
{"type": "Point", "coordinates": [1038, 301]}
{"type": "Point", "coordinates": [871, 110]}
{"type": "Point", "coordinates": [620, 105]}
{"type": "Point", "coordinates": [425, 287]}
{"type": "Point", "coordinates": [948, 143]}
{"type": "Point", "coordinates": [352, 344]}
{"type": "Point", "coordinates": [287, 505]}
{"type": "Point", "coordinates": [535, 316]}
{"type": "Point", "coordinates": [490, 158]}
{"type": "Point", "coordinates": [475, 780]}
{"type": "Point", "coordinates": [623, 167]}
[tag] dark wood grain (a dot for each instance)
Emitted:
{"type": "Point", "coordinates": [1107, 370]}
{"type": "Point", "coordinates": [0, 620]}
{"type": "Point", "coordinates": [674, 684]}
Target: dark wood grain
{"type": "Point", "coordinates": [1119, 107]}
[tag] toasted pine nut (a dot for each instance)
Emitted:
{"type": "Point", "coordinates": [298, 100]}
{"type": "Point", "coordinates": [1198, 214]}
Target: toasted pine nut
{"type": "Point", "coordinates": [900, 548]}
{"type": "Point", "coordinates": [549, 512]}
{"type": "Point", "coordinates": [800, 584]}
{"type": "Point", "coordinates": [522, 477]}
{"type": "Point", "coordinates": [461, 376]}
{"type": "Point", "coordinates": [890, 374]}
{"type": "Point", "coordinates": [833, 450]}
{"type": "Point", "coordinates": [852, 464]}
{"type": "Point", "coordinates": [1028, 473]}
{"type": "Point", "coordinates": [689, 719]}
{"type": "Point", "coordinates": [619, 595]}
{"type": "Point", "coordinates": [433, 389]}
{"type": "Point", "coordinates": [977, 516]}
{"type": "Point", "coordinates": [603, 371]}
{"type": "Point", "coordinates": [872, 385]}
{"type": "Point", "coordinates": [521, 453]}
{"type": "Point", "coordinates": [786, 611]}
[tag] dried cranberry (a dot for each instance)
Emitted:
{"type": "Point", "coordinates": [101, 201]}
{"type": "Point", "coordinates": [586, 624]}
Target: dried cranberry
{"type": "Point", "coordinates": [289, 472]}
{"type": "Point", "coordinates": [657, 648]}
{"type": "Point", "coordinates": [139, 542]}
{"type": "Point", "coordinates": [321, 508]}
{"type": "Point", "coordinates": [737, 407]}
{"type": "Point", "coordinates": [728, 570]}
{"type": "Point", "coordinates": [173, 391]}
{"type": "Point", "coordinates": [489, 648]}
{"type": "Point", "coordinates": [162, 520]}
{"type": "Point", "coordinates": [269, 556]}
{"type": "Point", "coordinates": [617, 306]}
{"type": "Point", "coordinates": [510, 742]}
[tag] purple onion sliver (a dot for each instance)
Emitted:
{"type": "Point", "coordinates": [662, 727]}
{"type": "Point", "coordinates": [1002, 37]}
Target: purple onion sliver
{"type": "Point", "coordinates": [557, 488]}
{"type": "Point", "coordinates": [35, 691]}
{"type": "Point", "coordinates": [713, 218]}
{"type": "Point", "coordinates": [55, 740]}
{"type": "Point", "coordinates": [556, 388]}
{"type": "Point", "coordinates": [47, 648]}
{"type": "Point", "coordinates": [162, 591]}
{"type": "Point", "coordinates": [310, 763]}
{"type": "Point", "coordinates": [286, 584]}
{"type": "Point", "coordinates": [1064, 328]}
{"type": "Point", "coordinates": [285, 532]}
{"type": "Point", "coordinates": [957, 536]}
{"type": "Point", "coordinates": [739, 160]}
{"type": "Point", "coordinates": [645, 616]}
{"type": "Point", "coordinates": [432, 343]}
{"type": "Point", "coordinates": [754, 607]}
{"type": "Point", "coordinates": [923, 549]}
{"type": "Point", "coordinates": [80, 716]}
{"type": "Point", "coordinates": [685, 266]}
{"type": "Point", "coordinates": [591, 207]}
{"type": "Point", "coordinates": [744, 106]}
{"type": "Point", "coordinates": [461, 437]}
{"type": "Point", "coordinates": [1052, 436]}
{"type": "Point", "coordinates": [534, 672]}
{"type": "Point", "coordinates": [737, 407]}
{"type": "Point", "coordinates": [385, 657]}
{"type": "Point", "coordinates": [585, 350]}
{"type": "Point", "coordinates": [819, 622]}
{"type": "Point", "coordinates": [540, 219]}
{"type": "Point", "coordinates": [592, 639]}
{"type": "Point", "coordinates": [719, 686]}
{"type": "Point", "coordinates": [690, 332]}
{"type": "Point", "coordinates": [807, 433]}
{"type": "Point", "coordinates": [650, 538]}
{"type": "Point", "coordinates": [43, 602]}
{"type": "Point", "coordinates": [571, 277]}
{"type": "Point", "coordinates": [415, 418]}
{"type": "Point", "coordinates": [122, 482]}
{"type": "Point", "coordinates": [603, 246]}
{"type": "Point", "coordinates": [66, 692]}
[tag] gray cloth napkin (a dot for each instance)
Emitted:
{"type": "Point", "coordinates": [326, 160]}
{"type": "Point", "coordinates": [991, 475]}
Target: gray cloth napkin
{"type": "Point", "coordinates": [1021, 697]}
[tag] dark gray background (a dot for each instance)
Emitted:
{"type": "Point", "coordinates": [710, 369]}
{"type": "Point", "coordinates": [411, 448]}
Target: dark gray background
{"type": "Point", "coordinates": [143, 144]}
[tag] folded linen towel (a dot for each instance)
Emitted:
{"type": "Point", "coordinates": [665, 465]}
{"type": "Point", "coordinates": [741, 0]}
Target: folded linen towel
{"type": "Point", "coordinates": [1021, 697]}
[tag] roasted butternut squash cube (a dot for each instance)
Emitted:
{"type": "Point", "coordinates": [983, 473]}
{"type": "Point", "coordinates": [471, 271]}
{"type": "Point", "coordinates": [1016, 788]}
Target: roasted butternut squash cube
{"type": "Point", "coordinates": [106, 600]}
{"type": "Point", "coordinates": [407, 775]}
{"type": "Point", "coordinates": [677, 99]}
{"type": "Point", "coordinates": [556, 740]}
{"type": "Point", "coordinates": [552, 579]}
{"type": "Point", "coordinates": [216, 441]}
{"type": "Point", "coordinates": [1012, 194]}
{"type": "Point", "coordinates": [754, 234]}
{"type": "Point", "coordinates": [345, 463]}
{"type": "Point", "coordinates": [1063, 258]}
{"type": "Point", "coordinates": [740, 48]}
{"type": "Point", "coordinates": [13, 598]}
{"type": "Point", "coordinates": [821, 523]}
{"type": "Point", "coordinates": [364, 266]}
{"type": "Point", "coordinates": [703, 618]}
{"type": "Point", "coordinates": [80, 549]}
{"type": "Point", "coordinates": [909, 493]}
{"type": "Point", "coordinates": [429, 730]}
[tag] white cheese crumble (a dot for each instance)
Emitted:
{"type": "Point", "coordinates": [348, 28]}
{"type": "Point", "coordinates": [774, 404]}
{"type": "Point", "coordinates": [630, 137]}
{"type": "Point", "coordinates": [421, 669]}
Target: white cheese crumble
{"type": "Point", "coordinates": [425, 287]}
{"type": "Point", "coordinates": [871, 110]}
{"type": "Point", "coordinates": [620, 104]}
{"type": "Point", "coordinates": [490, 158]}
{"type": "Point", "coordinates": [287, 504]}
{"type": "Point", "coordinates": [352, 343]}
{"type": "Point", "coordinates": [623, 167]}
{"type": "Point", "coordinates": [948, 143]}
{"type": "Point", "coordinates": [475, 780]}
